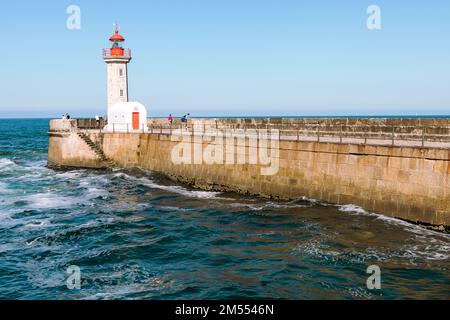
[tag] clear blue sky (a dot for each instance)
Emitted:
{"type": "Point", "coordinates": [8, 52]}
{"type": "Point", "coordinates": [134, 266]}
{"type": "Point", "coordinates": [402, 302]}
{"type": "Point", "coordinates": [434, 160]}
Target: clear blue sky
{"type": "Point", "coordinates": [230, 57]}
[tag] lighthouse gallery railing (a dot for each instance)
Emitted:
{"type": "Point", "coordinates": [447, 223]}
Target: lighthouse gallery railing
{"type": "Point", "coordinates": [107, 54]}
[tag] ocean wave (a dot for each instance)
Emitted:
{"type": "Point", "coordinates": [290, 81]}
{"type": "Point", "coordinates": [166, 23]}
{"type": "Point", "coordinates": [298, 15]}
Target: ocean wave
{"type": "Point", "coordinates": [172, 208]}
{"type": "Point", "coordinates": [9, 247]}
{"type": "Point", "coordinates": [131, 283]}
{"type": "Point", "coordinates": [74, 232]}
{"type": "Point", "coordinates": [4, 215]}
{"type": "Point", "coordinates": [55, 200]}
{"type": "Point", "coordinates": [253, 207]}
{"type": "Point", "coordinates": [353, 209]}
{"type": "Point", "coordinates": [173, 189]}
{"type": "Point", "coordinates": [180, 190]}
{"type": "Point", "coordinates": [27, 165]}
{"type": "Point", "coordinates": [49, 201]}
{"type": "Point", "coordinates": [70, 174]}
{"type": "Point", "coordinates": [93, 193]}
{"type": "Point", "coordinates": [299, 203]}
{"type": "Point", "coordinates": [317, 249]}
{"type": "Point", "coordinates": [437, 251]}
{"type": "Point", "coordinates": [408, 226]}
{"type": "Point", "coordinates": [3, 188]}
{"type": "Point", "coordinates": [37, 224]}
{"type": "Point", "coordinates": [359, 293]}
{"type": "Point", "coordinates": [5, 163]}
{"type": "Point", "coordinates": [430, 245]}
{"type": "Point", "coordinates": [44, 274]}
{"type": "Point", "coordinates": [36, 164]}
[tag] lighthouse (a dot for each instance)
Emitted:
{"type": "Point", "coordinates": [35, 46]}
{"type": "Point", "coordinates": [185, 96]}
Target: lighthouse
{"type": "Point", "coordinates": [122, 114]}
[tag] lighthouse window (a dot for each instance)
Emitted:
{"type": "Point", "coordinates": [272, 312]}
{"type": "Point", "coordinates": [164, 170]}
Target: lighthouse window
{"type": "Point", "coordinates": [121, 93]}
{"type": "Point", "coordinates": [121, 72]}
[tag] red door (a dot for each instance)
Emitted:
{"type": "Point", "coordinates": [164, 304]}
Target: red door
{"type": "Point", "coordinates": [135, 120]}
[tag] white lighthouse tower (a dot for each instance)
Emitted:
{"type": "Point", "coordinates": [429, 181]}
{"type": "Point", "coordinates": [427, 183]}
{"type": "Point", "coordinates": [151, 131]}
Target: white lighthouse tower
{"type": "Point", "coordinates": [122, 114]}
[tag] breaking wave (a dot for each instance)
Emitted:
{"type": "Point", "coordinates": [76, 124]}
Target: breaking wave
{"type": "Point", "coordinates": [173, 189]}
{"type": "Point", "coordinates": [417, 229]}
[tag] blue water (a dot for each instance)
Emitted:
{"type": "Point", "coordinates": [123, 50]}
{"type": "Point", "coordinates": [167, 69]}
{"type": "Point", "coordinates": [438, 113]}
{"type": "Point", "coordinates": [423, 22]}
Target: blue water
{"type": "Point", "coordinates": [136, 235]}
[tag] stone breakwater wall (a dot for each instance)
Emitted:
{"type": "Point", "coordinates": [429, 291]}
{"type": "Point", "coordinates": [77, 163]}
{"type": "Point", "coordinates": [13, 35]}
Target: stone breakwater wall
{"type": "Point", "coordinates": [412, 183]}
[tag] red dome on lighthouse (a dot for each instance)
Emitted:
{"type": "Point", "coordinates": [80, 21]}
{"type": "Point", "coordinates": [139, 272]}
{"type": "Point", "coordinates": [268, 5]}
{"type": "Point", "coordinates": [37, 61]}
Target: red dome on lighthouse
{"type": "Point", "coordinates": [117, 37]}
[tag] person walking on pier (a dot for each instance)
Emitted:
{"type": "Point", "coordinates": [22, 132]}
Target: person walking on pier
{"type": "Point", "coordinates": [184, 120]}
{"type": "Point", "coordinates": [187, 120]}
{"type": "Point", "coordinates": [170, 119]}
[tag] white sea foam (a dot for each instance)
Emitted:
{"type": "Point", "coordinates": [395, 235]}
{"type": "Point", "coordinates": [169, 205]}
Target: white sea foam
{"type": "Point", "coordinates": [183, 191]}
{"type": "Point", "coordinates": [40, 164]}
{"type": "Point", "coordinates": [359, 293]}
{"type": "Point", "coordinates": [274, 205]}
{"type": "Point", "coordinates": [49, 201]}
{"type": "Point", "coordinates": [24, 223]}
{"type": "Point", "coordinates": [413, 254]}
{"type": "Point", "coordinates": [353, 209]}
{"type": "Point", "coordinates": [133, 282]}
{"type": "Point", "coordinates": [307, 199]}
{"type": "Point", "coordinates": [174, 189]}
{"type": "Point", "coordinates": [93, 182]}
{"type": "Point", "coordinates": [56, 200]}
{"type": "Point", "coordinates": [318, 249]}
{"type": "Point", "coordinates": [37, 224]}
{"type": "Point", "coordinates": [70, 174]}
{"type": "Point", "coordinates": [93, 193]}
{"type": "Point", "coordinates": [438, 252]}
{"type": "Point", "coordinates": [252, 207]}
{"type": "Point", "coordinates": [431, 245]}
{"type": "Point", "coordinates": [5, 162]}
{"type": "Point", "coordinates": [171, 208]}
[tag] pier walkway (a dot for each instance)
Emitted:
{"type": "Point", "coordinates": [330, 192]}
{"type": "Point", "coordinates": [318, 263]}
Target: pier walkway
{"type": "Point", "coordinates": [437, 137]}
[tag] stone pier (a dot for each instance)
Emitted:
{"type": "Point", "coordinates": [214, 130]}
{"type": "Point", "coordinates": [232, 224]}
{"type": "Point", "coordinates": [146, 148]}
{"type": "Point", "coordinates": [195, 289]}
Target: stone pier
{"type": "Point", "coordinates": [396, 167]}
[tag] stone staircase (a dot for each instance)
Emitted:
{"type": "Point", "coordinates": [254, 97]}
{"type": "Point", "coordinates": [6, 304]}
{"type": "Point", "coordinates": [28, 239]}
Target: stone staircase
{"type": "Point", "coordinates": [96, 148]}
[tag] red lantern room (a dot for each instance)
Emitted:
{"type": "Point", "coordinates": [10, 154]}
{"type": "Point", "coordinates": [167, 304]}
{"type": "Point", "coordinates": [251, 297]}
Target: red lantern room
{"type": "Point", "coordinates": [116, 39]}
{"type": "Point", "coordinates": [116, 49]}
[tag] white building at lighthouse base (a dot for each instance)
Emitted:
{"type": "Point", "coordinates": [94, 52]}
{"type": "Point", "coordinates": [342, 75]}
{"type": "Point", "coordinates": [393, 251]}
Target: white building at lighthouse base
{"type": "Point", "coordinates": [127, 117]}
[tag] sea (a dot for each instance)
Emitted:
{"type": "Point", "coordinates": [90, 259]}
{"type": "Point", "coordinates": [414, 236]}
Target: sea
{"type": "Point", "coordinates": [134, 234]}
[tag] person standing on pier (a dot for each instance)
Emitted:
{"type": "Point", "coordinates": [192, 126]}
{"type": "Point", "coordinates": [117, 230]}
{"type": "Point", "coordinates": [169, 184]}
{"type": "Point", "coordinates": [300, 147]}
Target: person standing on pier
{"type": "Point", "coordinates": [183, 121]}
{"type": "Point", "coordinates": [187, 120]}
